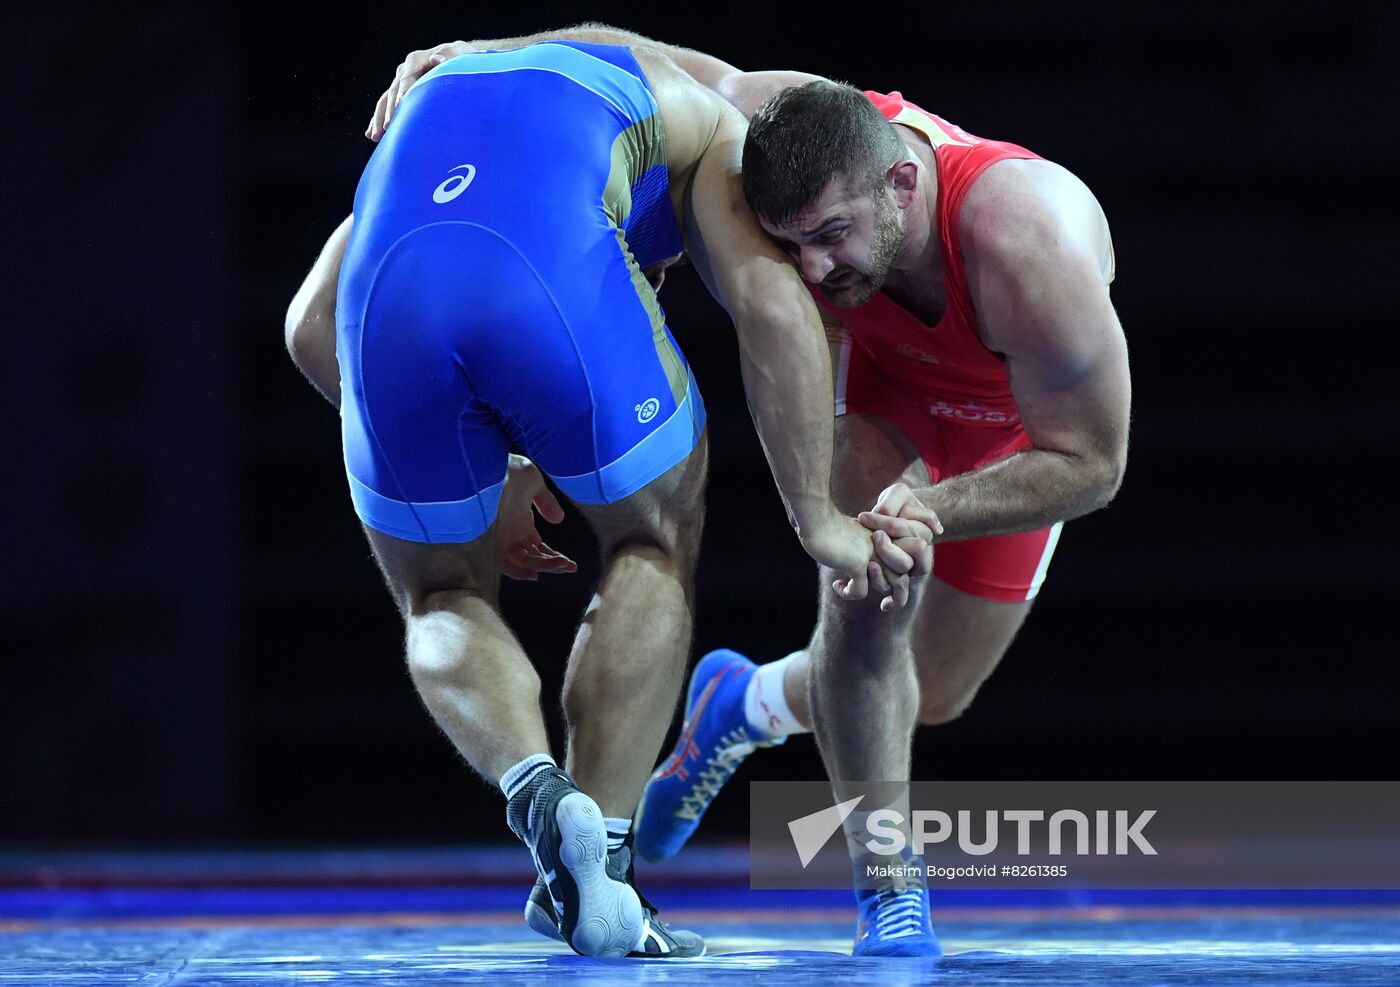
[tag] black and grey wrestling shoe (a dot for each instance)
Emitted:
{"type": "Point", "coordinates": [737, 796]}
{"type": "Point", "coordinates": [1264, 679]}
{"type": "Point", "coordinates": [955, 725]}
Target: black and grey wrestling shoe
{"type": "Point", "coordinates": [599, 913]}
{"type": "Point", "coordinates": [658, 939]}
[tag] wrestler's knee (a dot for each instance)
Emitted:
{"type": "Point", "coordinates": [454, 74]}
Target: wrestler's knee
{"type": "Point", "coordinates": [660, 524]}
{"type": "Point", "coordinates": [445, 631]}
{"type": "Point", "coordinates": [649, 565]}
{"type": "Point", "coordinates": [855, 638]}
{"type": "Point", "coordinates": [863, 620]}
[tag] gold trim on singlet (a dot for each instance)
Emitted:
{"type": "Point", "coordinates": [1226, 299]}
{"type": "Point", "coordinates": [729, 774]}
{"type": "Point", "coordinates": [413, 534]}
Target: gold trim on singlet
{"type": "Point", "coordinates": [927, 126]}
{"type": "Point", "coordinates": [635, 151]}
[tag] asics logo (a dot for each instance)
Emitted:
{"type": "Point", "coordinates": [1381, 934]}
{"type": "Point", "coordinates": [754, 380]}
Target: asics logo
{"type": "Point", "coordinates": [455, 185]}
{"type": "Point", "coordinates": [647, 410]}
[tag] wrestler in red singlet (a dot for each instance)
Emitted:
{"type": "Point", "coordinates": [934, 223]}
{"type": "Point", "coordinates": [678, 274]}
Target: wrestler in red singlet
{"type": "Point", "coordinates": [938, 384]}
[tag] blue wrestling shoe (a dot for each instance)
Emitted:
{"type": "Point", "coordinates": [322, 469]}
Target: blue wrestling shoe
{"type": "Point", "coordinates": [714, 741]}
{"type": "Point", "coordinates": [894, 921]}
{"type": "Point", "coordinates": [658, 939]}
{"type": "Point", "coordinates": [599, 915]}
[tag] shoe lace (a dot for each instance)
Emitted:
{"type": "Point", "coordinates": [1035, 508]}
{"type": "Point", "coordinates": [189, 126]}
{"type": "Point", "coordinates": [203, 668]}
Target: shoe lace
{"type": "Point", "coordinates": [899, 912]}
{"type": "Point", "coordinates": [733, 747]}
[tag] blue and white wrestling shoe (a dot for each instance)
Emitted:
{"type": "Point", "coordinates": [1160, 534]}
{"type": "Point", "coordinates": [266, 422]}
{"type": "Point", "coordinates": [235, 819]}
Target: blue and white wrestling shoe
{"type": "Point", "coordinates": [894, 921]}
{"type": "Point", "coordinates": [714, 741]}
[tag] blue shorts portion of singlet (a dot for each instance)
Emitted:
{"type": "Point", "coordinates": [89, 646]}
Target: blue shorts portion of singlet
{"type": "Point", "coordinates": [492, 293]}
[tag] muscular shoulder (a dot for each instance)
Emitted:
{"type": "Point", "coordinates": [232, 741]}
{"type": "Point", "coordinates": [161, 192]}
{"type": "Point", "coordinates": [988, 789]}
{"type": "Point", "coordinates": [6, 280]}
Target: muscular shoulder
{"type": "Point", "coordinates": [747, 91]}
{"type": "Point", "coordinates": [1026, 214]}
{"type": "Point", "coordinates": [690, 113]}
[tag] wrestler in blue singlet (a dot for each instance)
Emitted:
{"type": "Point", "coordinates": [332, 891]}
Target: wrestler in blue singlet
{"type": "Point", "coordinates": [492, 292]}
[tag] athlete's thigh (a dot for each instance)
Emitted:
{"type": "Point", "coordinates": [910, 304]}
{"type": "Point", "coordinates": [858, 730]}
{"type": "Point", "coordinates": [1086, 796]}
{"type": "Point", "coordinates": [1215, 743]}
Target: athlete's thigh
{"type": "Point", "coordinates": [982, 588]}
{"type": "Point", "coordinates": [425, 458]}
{"type": "Point", "coordinates": [870, 449]}
{"type": "Point", "coordinates": [888, 434]}
{"type": "Point", "coordinates": [416, 571]}
{"type": "Point", "coordinates": [869, 454]}
{"type": "Point", "coordinates": [958, 641]}
{"type": "Point", "coordinates": [669, 512]}
{"type": "Point", "coordinates": [596, 391]}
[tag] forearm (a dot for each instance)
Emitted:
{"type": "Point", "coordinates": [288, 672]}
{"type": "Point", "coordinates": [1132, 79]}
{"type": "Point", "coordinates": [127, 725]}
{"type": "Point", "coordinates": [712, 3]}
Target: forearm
{"type": "Point", "coordinates": [705, 69]}
{"type": "Point", "coordinates": [747, 91]}
{"type": "Point", "coordinates": [1025, 491]}
{"type": "Point", "coordinates": [783, 354]}
{"type": "Point", "coordinates": [787, 381]}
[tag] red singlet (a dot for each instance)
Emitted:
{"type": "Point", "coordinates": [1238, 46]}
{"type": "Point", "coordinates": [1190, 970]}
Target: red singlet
{"type": "Point", "coordinates": [939, 384]}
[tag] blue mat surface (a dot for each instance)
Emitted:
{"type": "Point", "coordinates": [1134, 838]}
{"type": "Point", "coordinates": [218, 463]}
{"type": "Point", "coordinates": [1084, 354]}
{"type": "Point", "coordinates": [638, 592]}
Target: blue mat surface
{"type": "Point", "coordinates": [408, 917]}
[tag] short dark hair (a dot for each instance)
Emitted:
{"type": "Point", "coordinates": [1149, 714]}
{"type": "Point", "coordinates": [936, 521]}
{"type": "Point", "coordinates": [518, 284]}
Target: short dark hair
{"type": "Point", "coordinates": [802, 138]}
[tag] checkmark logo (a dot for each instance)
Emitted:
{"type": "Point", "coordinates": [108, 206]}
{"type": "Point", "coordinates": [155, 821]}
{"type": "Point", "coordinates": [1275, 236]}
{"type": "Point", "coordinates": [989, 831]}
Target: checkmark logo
{"type": "Point", "coordinates": [811, 833]}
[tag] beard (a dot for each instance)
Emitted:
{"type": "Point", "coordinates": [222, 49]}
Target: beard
{"type": "Point", "coordinates": [885, 241]}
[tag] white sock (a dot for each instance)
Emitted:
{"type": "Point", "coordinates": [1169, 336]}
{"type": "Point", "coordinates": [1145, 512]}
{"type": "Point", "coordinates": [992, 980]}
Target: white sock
{"type": "Point", "coordinates": [765, 706]}
{"type": "Point", "coordinates": [517, 776]}
{"type": "Point", "coordinates": [617, 830]}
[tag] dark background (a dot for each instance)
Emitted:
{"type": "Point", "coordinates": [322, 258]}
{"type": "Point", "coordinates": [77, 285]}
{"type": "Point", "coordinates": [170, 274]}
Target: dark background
{"type": "Point", "coordinates": [195, 645]}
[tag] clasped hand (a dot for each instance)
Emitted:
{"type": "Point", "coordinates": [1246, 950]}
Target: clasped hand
{"type": "Point", "coordinates": [882, 550]}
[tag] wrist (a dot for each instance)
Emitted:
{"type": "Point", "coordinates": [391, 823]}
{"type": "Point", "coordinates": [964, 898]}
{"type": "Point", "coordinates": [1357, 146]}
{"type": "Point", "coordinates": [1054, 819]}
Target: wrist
{"type": "Point", "coordinates": [811, 517]}
{"type": "Point", "coordinates": [929, 508]}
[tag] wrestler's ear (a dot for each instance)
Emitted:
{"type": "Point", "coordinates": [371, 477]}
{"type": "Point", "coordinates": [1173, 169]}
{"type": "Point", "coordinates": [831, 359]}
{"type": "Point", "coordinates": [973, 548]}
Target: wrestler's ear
{"type": "Point", "coordinates": [904, 176]}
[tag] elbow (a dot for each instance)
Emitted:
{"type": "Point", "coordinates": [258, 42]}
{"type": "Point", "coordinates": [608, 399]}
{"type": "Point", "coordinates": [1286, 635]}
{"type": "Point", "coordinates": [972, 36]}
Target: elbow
{"type": "Point", "coordinates": [1108, 479]}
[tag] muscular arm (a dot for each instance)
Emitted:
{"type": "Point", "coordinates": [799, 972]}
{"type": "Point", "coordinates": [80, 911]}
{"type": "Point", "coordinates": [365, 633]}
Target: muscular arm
{"type": "Point", "coordinates": [1038, 262]}
{"type": "Point", "coordinates": [746, 91]}
{"type": "Point", "coordinates": [782, 348]}
{"type": "Point", "coordinates": [310, 323]}
{"type": "Point", "coordinates": [786, 368]}
{"type": "Point", "coordinates": [704, 69]}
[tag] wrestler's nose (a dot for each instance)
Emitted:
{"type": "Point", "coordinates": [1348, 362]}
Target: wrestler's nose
{"type": "Point", "coordinates": [816, 264]}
